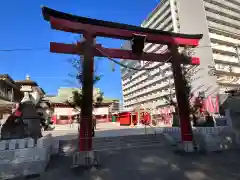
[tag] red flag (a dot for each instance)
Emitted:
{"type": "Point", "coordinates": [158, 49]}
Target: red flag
{"type": "Point", "coordinates": [211, 105]}
{"type": "Point", "coordinates": [18, 113]}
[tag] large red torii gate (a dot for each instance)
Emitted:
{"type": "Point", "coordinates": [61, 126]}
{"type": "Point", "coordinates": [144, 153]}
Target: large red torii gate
{"type": "Point", "coordinates": [91, 28]}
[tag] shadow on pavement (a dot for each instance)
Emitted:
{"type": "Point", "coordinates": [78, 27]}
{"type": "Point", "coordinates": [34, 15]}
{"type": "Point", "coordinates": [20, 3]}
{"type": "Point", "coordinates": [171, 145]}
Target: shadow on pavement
{"type": "Point", "coordinates": [151, 163]}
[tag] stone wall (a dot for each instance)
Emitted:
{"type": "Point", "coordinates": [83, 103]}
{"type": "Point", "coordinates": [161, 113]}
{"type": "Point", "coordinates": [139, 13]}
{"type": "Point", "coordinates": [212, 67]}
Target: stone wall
{"type": "Point", "coordinates": [22, 157]}
{"type": "Point", "coordinates": [206, 138]}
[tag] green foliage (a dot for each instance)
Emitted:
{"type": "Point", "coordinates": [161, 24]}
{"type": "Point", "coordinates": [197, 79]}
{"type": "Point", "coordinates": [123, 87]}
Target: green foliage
{"type": "Point", "coordinates": [76, 99]}
{"type": "Point", "coordinates": [175, 120]}
{"type": "Point", "coordinates": [187, 71]}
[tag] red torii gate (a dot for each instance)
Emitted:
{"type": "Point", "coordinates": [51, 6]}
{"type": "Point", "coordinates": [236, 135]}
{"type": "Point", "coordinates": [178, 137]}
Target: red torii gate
{"type": "Point", "coordinates": [91, 28]}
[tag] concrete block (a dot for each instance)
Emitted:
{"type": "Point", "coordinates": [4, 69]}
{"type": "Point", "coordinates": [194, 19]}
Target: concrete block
{"type": "Point", "coordinates": [55, 146]}
{"type": "Point", "coordinates": [22, 143]}
{"type": "Point", "coordinates": [169, 138]}
{"type": "Point", "coordinates": [229, 139]}
{"type": "Point", "coordinates": [30, 143]}
{"type": "Point", "coordinates": [9, 171]}
{"type": "Point", "coordinates": [212, 142]}
{"type": "Point", "coordinates": [45, 141]}
{"type": "Point", "coordinates": [22, 162]}
{"type": "Point", "coordinates": [6, 156]}
{"type": "Point", "coordinates": [30, 154]}
{"type": "Point", "coordinates": [3, 145]}
{"type": "Point", "coordinates": [199, 141]}
{"type": "Point", "coordinates": [16, 170]}
{"type": "Point", "coordinates": [35, 167]}
{"type": "Point", "coordinates": [12, 144]}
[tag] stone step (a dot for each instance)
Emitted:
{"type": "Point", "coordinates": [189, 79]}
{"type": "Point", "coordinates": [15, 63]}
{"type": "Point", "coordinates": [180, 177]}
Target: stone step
{"type": "Point", "coordinates": [108, 143]}
{"type": "Point", "coordinates": [132, 141]}
{"type": "Point", "coordinates": [124, 139]}
{"type": "Point", "coordinates": [127, 145]}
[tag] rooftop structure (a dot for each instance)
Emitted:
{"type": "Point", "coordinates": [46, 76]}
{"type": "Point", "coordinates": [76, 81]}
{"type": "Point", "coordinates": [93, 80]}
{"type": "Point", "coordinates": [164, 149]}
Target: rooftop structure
{"type": "Point", "coordinates": [30, 83]}
{"type": "Point", "coordinates": [64, 94]}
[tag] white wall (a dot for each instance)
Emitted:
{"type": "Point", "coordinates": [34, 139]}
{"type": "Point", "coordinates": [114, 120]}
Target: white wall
{"type": "Point", "coordinates": [63, 111]}
{"type": "Point", "coordinates": [101, 111]}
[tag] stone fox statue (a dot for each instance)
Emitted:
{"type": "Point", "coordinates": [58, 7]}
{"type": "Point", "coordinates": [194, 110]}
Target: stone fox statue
{"type": "Point", "coordinates": [19, 125]}
{"type": "Point", "coordinates": [14, 128]}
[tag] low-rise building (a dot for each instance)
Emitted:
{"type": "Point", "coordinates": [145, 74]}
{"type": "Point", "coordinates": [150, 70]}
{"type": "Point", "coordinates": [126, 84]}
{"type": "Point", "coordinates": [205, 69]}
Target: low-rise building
{"type": "Point", "coordinates": [9, 95]}
{"type": "Point", "coordinates": [13, 92]}
{"type": "Point", "coordinates": [63, 113]}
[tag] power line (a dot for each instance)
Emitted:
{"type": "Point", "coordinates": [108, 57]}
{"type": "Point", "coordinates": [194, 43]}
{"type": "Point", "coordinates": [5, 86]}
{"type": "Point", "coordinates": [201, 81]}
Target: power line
{"type": "Point", "coordinates": [47, 48]}
{"type": "Point", "coordinates": [48, 77]}
{"type": "Point", "coordinates": [23, 49]}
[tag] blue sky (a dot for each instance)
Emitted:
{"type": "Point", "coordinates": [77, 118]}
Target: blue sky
{"type": "Point", "coordinates": [22, 26]}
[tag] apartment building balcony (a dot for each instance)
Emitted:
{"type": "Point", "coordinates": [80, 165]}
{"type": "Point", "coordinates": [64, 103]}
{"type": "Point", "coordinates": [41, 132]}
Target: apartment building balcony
{"type": "Point", "coordinates": [216, 25]}
{"type": "Point", "coordinates": [228, 81]}
{"type": "Point", "coordinates": [155, 93]}
{"type": "Point", "coordinates": [220, 9]}
{"type": "Point", "coordinates": [232, 5]}
{"type": "Point", "coordinates": [224, 39]}
{"type": "Point", "coordinates": [144, 88]}
{"type": "Point", "coordinates": [143, 78]}
{"type": "Point", "coordinates": [152, 102]}
{"type": "Point", "coordinates": [227, 70]}
{"type": "Point", "coordinates": [156, 14]}
{"type": "Point", "coordinates": [149, 97]}
{"type": "Point", "coordinates": [220, 19]}
{"type": "Point", "coordinates": [226, 60]}
{"type": "Point", "coordinates": [224, 49]}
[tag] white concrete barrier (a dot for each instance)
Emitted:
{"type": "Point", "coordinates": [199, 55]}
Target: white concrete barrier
{"type": "Point", "coordinates": [21, 157]}
{"type": "Point", "coordinates": [207, 138]}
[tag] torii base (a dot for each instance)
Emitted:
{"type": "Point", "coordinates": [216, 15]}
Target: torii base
{"type": "Point", "coordinates": [85, 159]}
{"type": "Point", "coordinates": [186, 147]}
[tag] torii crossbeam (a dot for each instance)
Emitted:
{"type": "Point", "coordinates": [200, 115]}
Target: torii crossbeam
{"type": "Point", "coordinates": [91, 28]}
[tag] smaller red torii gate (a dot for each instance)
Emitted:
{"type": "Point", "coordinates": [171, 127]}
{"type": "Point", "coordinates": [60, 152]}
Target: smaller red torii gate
{"type": "Point", "coordinates": [91, 28]}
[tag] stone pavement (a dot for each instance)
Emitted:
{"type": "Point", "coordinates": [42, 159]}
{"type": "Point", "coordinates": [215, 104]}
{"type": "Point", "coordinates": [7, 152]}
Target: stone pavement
{"type": "Point", "coordinates": [151, 163]}
{"type": "Point", "coordinates": [103, 130]}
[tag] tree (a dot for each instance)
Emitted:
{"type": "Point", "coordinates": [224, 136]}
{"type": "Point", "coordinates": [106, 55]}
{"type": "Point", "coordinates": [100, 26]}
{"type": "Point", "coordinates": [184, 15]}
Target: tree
{"type": "Point", "coordinates": [75, 100]}
{"type": "Point", "coordinates": [187, 71]}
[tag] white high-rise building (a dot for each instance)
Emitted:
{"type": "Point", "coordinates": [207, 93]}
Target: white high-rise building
{"type": "Point", "coordinates": [218, 21]}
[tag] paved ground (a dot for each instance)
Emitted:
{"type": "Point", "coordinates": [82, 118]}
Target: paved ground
{"type": "Point", "coordinates": [153, 163]}
{"type": "Point", "coordinates": [150, 163]}
{"type": "Point", "coordinates": [103, 130]}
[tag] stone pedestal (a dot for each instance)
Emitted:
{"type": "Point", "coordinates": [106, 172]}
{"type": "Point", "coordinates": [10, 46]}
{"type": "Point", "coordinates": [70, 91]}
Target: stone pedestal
{"type": "Point", "coordinates": [30, 116]}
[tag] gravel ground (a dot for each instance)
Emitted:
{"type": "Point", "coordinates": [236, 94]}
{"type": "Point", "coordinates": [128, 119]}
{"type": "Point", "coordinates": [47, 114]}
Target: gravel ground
{"type": "Point", "coordinates": [151, 163]}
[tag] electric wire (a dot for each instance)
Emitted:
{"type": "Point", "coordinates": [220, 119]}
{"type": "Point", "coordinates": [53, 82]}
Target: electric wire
{"type": "Point", "coordinates": [47, 48]}
{"type": "Point", "coordinates": [23, 49]}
